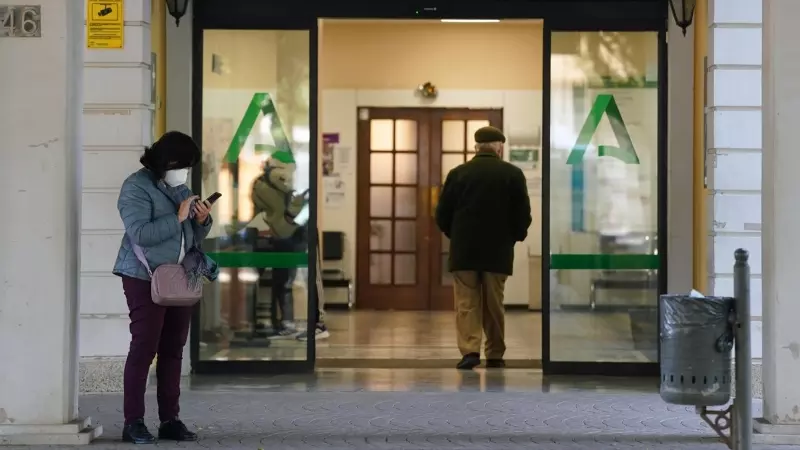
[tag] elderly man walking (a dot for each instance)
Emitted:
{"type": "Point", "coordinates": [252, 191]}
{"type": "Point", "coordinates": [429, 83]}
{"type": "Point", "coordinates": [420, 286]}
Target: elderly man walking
{"type": "Point", "coordinates": [484, 209]}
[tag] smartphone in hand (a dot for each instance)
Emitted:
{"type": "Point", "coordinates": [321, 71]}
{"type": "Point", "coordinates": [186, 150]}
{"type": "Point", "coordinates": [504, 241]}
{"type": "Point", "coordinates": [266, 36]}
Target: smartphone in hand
{"type": "Point", "coordinates": [213, 198]}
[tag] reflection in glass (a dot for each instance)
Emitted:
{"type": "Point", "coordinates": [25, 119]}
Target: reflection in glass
{"type": "Point", "coordinates": [603, 202]}
{"type": "Point", "coordinates": [405, 168]}
{"type": "Point", "coordinates": [380, 268]}
{"type": "Point", "coordinates": [262, 291]}
{"type": "Point", "coordinates": [453, 135]}
{"type": "Point", "coordinates": [405, 133]}
{"type": "Point", "coordinates": [381, 133]}
{"type": "Point", "coordinates": [380, 235]}
{"type": "Point", "coordinates": [380, 168]}
{"type": "Point", "coordinates": [380, 201]}
{"type": "Point", "coordinates": [405, 269]}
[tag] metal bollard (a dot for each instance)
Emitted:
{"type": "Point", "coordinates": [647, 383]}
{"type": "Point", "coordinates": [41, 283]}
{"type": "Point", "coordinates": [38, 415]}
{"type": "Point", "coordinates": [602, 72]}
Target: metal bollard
{"type": "Point", "coordinates": [743, 403]}
{"type": "Point", "coordinates": [737, 419]}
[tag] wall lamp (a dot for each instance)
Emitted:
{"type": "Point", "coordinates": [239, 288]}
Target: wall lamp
{"type": "Point", "coordinates": [683, 12]}
{"type": "Point", "coordinates": [177, 9]}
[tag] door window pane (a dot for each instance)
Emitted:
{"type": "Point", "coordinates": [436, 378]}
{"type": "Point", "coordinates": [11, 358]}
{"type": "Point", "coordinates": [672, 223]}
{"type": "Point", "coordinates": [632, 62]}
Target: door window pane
{"type": "Point", "coordinates": [235, 319]}
{"type": "Point", "coordinates": [453, 135]}
{"type": "Point", "coordinates": [405, 135]}
{"type": "Point", "coordinates": [380, 201]}
{"type": "Point", "coordinates": [381, 134]}
{"type": "Point", "coordinates": [405, 202]}
{"type": "Point", "coordinates": [604, 197]}
{"type": "Point", "coordinates": [450, 162]}
{"type": "Point", "coordinates": [472, 127]}
{"type": "Point", "coordinates": [405, 168]}
{"type": "Point", "coordinates": [405, 236]}
{"type": "Point", "coordinates": [405, 269]}
{"type": "Point", "coordinates": [380, 235]}
{"type": "Point", "coordinates": [380, 168]}
{"type": "Point", "coordinates": [380, 268]}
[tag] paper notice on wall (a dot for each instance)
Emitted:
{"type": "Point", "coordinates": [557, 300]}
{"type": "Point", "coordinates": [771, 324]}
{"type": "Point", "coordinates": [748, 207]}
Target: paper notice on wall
{"type": "Point", "coordinates": [333, 192]}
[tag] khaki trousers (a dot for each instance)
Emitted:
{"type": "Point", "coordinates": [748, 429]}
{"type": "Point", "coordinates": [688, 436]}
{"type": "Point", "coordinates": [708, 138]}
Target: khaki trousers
{"type": "Point", "coordinates": [479, 310]}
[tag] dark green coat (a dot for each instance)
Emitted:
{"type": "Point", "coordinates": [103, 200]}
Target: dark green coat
{"type": "Point", "coordinates": [484, 209]}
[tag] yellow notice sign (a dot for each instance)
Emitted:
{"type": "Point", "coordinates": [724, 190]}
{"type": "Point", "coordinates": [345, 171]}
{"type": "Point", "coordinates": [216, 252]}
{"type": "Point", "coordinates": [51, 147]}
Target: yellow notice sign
{"type": "Point", "coordinates": [105, 24]}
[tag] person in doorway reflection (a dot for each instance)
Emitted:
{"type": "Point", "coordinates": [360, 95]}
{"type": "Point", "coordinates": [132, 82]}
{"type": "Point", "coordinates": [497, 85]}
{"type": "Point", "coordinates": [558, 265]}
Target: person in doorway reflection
{"type": "Point", "coordinates": [164, 219]}
{"type": "Point", "coordinates": [484, 210]}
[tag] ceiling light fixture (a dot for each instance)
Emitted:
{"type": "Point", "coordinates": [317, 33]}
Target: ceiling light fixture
{"type": "Point", "coordinates": [470, 20]}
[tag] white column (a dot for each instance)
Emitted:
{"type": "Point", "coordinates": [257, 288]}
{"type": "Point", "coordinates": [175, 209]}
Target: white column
{"type": "Point", "coordinates": [781, 216]}
{"type": "Point", "coordinates": [118, 124]}
{"type": "Point", "coordinates": [40, 165]}
{"type": "Point", "coordinates": [733, 145]}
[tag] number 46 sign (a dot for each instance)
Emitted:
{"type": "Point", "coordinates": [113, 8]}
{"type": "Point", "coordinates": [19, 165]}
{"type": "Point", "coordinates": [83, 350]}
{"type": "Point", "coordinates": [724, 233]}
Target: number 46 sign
{"type": "Point", "coordinates": [20, 21]}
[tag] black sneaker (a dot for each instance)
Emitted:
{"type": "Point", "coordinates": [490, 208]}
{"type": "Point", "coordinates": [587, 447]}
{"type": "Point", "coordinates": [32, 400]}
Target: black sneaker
{"type": "Point", "coordinates": [136, 432]}
{"type": "Point", "coordinates": [495, 363]}
{"type": "Point", "coordinates": [469, 361]}
{"type": "Point", "coordinates": [175, 430]}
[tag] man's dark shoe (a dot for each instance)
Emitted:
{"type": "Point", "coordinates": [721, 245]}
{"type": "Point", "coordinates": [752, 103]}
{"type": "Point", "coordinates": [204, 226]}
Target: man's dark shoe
{"type": "Point", "coordinates": [469, 361]}
{"type": "Point", "coordinates": [495, 364]}
{"type": "Point", "coordinates": [175, 430]}
{"type": "Point", "coordinates": [137, 433]}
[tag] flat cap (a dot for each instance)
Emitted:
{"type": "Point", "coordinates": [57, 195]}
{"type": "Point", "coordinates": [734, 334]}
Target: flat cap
{"type": "Point", "coordinates": [489, 134]}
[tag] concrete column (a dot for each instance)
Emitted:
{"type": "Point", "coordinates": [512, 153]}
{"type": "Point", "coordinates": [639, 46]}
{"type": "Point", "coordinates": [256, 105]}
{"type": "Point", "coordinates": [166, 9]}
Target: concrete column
{"type": "Point", "coordinates": [41, 85]}
{"type": "Point", "coordinates": [733, 151]}
{"type": "Point", "coordinates": [118, 124]}
{"type": "Point", "coordinates": [781, 219]}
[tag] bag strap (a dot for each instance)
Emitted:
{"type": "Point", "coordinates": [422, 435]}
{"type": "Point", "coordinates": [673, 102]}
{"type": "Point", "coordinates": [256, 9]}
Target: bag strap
{"type": "Point", "coordinates": [140, 256]}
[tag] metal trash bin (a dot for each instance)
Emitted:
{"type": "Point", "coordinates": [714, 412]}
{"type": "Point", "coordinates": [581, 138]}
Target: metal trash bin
{"type": "Point", "coordinates": [696, 342]}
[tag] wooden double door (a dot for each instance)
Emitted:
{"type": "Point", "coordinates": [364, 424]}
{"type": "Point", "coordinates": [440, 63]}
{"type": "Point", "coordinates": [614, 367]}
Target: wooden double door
{"type": "Point", "coordinates": [404, 156]}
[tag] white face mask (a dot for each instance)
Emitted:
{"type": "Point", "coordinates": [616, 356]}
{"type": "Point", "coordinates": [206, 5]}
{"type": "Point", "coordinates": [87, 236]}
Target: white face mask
{"type": "Point", "coordinates": [176, 177]}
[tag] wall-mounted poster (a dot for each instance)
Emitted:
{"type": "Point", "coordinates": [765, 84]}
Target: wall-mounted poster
{"type": "Point", "coordinates": [329, 141]}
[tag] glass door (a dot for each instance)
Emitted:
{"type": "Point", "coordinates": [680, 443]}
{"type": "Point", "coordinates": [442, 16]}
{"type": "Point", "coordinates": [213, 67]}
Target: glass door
{"type": "Point", "coordinates": [604, 196]}
{"type": "Point", "coordinates": [256, 132]}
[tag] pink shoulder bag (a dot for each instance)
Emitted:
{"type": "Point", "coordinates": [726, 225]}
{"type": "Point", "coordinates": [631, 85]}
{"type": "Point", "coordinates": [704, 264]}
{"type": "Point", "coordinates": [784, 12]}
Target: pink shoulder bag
{"type": "Point", "coordinates": [169, 285]}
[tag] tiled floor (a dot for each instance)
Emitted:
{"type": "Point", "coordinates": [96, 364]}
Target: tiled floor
{"type": "Point", "coordinates": [422, 409]}
{"type": "Point", "coordinates": [427, 339]}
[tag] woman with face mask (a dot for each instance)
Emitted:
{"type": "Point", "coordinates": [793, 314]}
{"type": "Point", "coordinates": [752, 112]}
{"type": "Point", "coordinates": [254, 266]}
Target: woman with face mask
{"type": "Point", "coordinates": [164, 218]}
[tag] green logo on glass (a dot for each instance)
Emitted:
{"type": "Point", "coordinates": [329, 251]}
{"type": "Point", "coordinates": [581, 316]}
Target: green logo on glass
{"type": "Point", "coordinates": [604, 104]}
{"type": "Point", "coordinates": [260, 104]}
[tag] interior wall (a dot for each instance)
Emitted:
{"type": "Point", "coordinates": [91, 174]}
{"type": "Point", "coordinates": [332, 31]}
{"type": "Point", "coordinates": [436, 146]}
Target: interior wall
{"type": "Point", "coordinates": [479, 65]}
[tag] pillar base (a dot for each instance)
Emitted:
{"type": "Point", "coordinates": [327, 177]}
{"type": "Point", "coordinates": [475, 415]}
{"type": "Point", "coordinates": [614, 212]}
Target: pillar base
{"type": "Point", "coordinates": [767, 433]}
{"type": "Point", "coordinates": [79, 432]}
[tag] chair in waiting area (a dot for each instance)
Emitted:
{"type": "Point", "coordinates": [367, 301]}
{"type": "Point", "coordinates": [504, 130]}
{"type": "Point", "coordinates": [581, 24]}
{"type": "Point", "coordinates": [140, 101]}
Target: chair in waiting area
{"type": "Point", "coordinates": [333, 251]}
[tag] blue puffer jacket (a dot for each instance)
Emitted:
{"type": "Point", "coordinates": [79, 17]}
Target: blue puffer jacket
{"type": "Point", "coordinates": [149, 211]}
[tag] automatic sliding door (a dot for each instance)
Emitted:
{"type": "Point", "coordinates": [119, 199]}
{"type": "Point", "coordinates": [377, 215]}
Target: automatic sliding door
{"type": "Point", "coordinates": [604, 198]}
{"type": "Point", "coordinates": [256, 126]}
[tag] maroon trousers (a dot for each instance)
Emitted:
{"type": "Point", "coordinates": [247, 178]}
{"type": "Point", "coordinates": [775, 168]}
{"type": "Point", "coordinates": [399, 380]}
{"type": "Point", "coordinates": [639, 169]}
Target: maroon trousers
{"type": "Point", "coordinates": [154, 330]}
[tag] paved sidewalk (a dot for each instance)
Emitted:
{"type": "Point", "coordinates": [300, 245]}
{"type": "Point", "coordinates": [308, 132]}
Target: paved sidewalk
{"type": "Point", "coordinates": [258, 419]}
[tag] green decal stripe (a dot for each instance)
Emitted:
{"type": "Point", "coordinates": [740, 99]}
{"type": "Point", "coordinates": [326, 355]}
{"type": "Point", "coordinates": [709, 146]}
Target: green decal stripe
{"type": "Point", "coordinates": [600, 261]}
{"type": "Point", "coordinates": [261, 259]}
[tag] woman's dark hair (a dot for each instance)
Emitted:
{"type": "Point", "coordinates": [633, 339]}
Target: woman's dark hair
{"type": "Point", "coordinates": [173, 150]}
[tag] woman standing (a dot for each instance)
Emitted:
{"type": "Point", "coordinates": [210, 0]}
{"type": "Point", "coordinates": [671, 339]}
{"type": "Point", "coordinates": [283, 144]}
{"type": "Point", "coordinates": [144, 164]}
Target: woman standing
{"type": "Point", "coordinates": [163, 218]}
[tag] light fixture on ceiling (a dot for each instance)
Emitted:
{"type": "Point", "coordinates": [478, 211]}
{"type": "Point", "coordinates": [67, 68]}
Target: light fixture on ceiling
{"type": "Point", "coordinates": [470, 20]}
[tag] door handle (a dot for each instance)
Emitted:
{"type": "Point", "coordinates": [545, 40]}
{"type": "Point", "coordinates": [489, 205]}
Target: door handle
{"type": "Point", "coordinates": [434, 199]}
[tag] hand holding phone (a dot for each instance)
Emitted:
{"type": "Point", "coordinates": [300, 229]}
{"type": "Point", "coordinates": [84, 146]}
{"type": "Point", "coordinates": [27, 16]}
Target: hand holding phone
{"type": "Point", "coordinates": [213, 198]}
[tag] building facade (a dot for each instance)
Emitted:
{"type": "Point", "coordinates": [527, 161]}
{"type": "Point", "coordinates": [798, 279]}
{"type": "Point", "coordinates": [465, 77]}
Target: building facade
{"type": "Point", "coordinates": [723, 98]}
